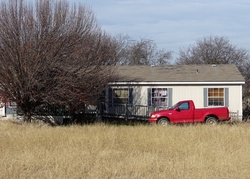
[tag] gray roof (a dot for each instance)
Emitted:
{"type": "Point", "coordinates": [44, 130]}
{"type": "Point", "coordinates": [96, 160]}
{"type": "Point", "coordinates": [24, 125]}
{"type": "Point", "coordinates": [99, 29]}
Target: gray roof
{"type": "Point", "coordinates": [179, 73]}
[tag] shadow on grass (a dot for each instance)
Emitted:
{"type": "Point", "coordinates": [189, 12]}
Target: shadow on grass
{"type": "Point", "coordinates": [90, 120]}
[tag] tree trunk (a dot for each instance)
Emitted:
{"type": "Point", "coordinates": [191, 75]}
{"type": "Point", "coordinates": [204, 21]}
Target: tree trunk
{"type": "Point", "coordinates": [27, 117]}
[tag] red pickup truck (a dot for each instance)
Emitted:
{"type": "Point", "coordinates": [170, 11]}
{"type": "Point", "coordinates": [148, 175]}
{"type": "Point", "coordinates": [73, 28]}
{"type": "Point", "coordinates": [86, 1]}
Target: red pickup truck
{"type": "Point", "coordinates": [185, 112]}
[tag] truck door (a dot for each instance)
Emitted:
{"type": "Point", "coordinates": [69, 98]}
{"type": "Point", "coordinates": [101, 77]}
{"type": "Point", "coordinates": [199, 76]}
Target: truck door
{"type": "Point", "coordinates": [183, 113]}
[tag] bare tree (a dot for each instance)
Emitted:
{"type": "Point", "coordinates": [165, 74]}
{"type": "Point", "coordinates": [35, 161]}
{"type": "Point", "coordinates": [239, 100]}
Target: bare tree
{"type": "Point", "coordinates": [245, 70]}
{"type": "Point", "coordinates": [162, 57]}
{"type": "Point", "coordinates": [217, 50]}
{"type": "Point", "coordinates": [142, 52]}
{"type": "Point", "coordinates": [51, 52]}
{"type": "Point", "coordinates": [213, 50]}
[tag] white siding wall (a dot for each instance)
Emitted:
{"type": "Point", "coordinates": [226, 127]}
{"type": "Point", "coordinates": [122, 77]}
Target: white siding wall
{"type": "Point", "coordinates": [2, 111]}
{"type": "Point", "coordinates": [235, 99]}
{"type": "Point", "coordinates": [194, 93]}
{"type": "Point", "coordinates": [141, 95]}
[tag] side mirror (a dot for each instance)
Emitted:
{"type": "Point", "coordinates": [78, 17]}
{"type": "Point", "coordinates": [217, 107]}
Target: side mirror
{"type": "Point", "coordinates": [177, 109]}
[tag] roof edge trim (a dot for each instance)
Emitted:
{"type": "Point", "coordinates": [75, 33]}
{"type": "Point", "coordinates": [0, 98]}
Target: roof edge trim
{"type": "Point", "coordinates": [177, 83]}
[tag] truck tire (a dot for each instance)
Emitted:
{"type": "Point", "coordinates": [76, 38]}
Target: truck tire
{"type": "Point", "coordinates": [163, 122]}
{"type": "Point", "coordinates": [211, 121]}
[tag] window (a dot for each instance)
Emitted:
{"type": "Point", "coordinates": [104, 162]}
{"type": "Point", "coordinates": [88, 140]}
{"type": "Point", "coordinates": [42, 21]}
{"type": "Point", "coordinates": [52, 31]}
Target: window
{"type": "Point", "coordinates": [158, 97]}
{"type": "Point", "coordinates": [184, 106]}
{"type": "Point", "coordinates": [120, 96]}
{"type": "Point", "coordinates": [216, 96]}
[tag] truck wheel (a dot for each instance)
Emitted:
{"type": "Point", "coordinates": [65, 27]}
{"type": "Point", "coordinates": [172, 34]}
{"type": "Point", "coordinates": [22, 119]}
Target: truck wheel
{"type": "Point", "coordinates": [163, 122]}
{"type": "Point", "coordinates": [211, 121]}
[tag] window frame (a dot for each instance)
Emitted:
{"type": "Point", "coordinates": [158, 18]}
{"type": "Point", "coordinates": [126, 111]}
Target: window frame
{"type": "Point", "coordinates": [154, 96]}
{"type": "Point", "coordinates": [123, 99]}
{"type": "Point", "coordinates": [129, 98]}
{"type": "Point", "coordinates": [225, 97]}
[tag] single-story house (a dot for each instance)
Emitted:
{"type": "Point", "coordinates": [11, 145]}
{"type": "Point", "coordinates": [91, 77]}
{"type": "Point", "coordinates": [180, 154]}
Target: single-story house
{"type": "Point", "coordinates": [147, 88]}
{"type": "Point", "coordinates": [163, 86]}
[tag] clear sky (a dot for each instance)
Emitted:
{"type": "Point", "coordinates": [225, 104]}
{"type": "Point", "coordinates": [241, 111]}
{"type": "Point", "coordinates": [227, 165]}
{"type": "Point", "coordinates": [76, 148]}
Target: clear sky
{"type": "Point", "coordinates": [175, 24]}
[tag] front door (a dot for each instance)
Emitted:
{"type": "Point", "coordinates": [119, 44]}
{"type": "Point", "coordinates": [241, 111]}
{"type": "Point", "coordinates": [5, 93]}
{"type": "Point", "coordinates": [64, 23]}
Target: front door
{"type": "Point", "coordinates": [184, 114]}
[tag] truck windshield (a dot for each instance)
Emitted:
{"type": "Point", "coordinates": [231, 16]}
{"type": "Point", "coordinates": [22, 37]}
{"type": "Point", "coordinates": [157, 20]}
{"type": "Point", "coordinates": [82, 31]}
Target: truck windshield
{"type": "Point", "coordinates": [172, 107]}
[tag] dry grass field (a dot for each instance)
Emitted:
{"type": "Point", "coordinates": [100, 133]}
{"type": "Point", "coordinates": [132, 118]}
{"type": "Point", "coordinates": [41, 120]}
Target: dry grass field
{"type": "Point", "coordinates": [124, 152]}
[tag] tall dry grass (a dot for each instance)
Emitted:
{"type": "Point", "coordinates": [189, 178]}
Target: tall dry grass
{"type": "Point", "coordinates": [108, 151]}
